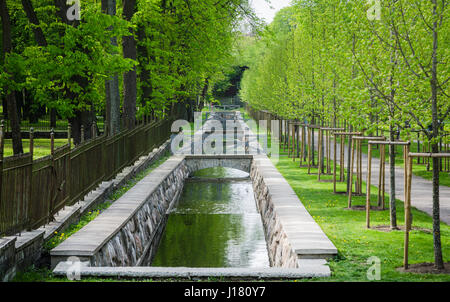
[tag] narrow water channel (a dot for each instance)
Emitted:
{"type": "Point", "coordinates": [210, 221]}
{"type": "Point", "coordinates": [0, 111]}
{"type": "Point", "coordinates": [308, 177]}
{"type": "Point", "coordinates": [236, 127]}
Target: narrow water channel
{"type": "Point", "coordinates": [216, 224]}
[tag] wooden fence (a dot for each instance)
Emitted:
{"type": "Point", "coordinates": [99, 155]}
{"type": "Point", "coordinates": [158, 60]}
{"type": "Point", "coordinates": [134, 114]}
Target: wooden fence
{"type": "Point", "coordinates": [32, 191]}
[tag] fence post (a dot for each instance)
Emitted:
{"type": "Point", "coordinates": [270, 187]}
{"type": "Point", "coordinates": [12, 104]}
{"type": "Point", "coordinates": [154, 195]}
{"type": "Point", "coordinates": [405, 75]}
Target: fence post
{"type": "Point", "coordinates": [369, 172]}
{"type": "Point", "coordinates": [69, 135]}
{"type": "Point", "coordinates": [93, 132]}
{"type": "Point", "coordinates": [53, 180]}
{"type": "Point", "coordinates": [69, 172]}
{"type": "Point", "coordinates": [52, 142]}
{"type": "Point", "coordinates": [2, 142]}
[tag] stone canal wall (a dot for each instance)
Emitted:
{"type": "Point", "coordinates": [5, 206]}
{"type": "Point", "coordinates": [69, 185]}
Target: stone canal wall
{"type": "Point", "coordinates": [291, 233]}
{"type": "Point", "coordinates": [281, 253]}
{"type": "Point", "coordinates": [19, 252]}
{"type": "Point", "coordinates": [127, 233]}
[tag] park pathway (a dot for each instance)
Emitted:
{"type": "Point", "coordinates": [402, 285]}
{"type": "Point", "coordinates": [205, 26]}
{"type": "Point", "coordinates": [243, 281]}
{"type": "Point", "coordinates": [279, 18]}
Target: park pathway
{"type": "Point", "coordinates": [421, 189]}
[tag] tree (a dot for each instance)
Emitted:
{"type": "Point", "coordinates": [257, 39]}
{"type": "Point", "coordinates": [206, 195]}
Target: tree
{"type": "Point", "coordinates": [422, 59]}
{"type": "Point", "coordinates": [112, 94]}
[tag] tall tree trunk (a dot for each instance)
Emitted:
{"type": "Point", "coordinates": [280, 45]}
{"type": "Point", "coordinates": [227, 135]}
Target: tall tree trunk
{"type": "Point", "coordinates": [61, 12]}
{"type": "Point", "coordinates": [10, 97]}
{"type": "Point", "coordinates": [130, 77]}
{"type": "Point", "coordinates": [349, 159]}
{"type": "Point", "coordinates": [438, 260]}
{"type": "Point", "coordinates": [201, 103]}
{"type": "Point", "coordinates": [31, 15]}
{"type": "Point", "coordinates": [144, 76]}
{"type": "Point", "coordinates": [112, 92]}
{"type": "Point", "coordinates": [40, 40]}
{"type": "Point", "coordinates": [350, 137]}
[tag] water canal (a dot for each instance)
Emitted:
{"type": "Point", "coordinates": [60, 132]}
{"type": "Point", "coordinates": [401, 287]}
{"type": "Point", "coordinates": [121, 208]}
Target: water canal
{"type": "Point", "coordinates": [215, 224]}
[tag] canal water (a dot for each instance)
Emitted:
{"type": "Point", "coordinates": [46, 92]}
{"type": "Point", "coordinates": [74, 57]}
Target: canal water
{"type": "Point", "coordinates": [216, 224]}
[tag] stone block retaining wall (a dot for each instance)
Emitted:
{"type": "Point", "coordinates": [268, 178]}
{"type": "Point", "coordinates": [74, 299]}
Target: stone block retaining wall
{"type": "Point", "coordinates": [291, 232]}
{"type": "Point", "coordinates": [7, 258]}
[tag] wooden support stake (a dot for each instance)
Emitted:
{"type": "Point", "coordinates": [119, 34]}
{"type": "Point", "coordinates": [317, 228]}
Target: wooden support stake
{"type": "Point", "coordinates": [297, 131]}
{"type": "Point", "coordinates": [309, 150]}
{"type": "Point", "coordinates": [2, 150]}
{"type": "Point", "coordinates": [69, 134]}
{"type": "Point", "coordinates": [312, 146]}
{"type": "Point", "coordinates": [407, 211]}
{"type": "Point", "coordinates": [334, 163]}
{"type": "Point", "coordinates": [381, 178]}
{"type": "Point", "coordinates": [320, 155]}
{"type": "Point", "coordinates": [293, 142]}
{"type": "Point", "coordinates": [302, 146]}
{"type": "Point", "coordinates": [328, 152]}
{"type": "Point", "coordinates": [357, 151]}
{"type": "Point", "coordinates": [405, 171]}
{"type": "Point", "coordinates": [280, 130]}
{"type": "Point", "coordinates": [93, 131]}
{"type": "Point", "coordinates": [52, 142]}
{"type": "Point", "coordinates": [289, 140]}
{"type": "Point", "coordinates": [286, 134]}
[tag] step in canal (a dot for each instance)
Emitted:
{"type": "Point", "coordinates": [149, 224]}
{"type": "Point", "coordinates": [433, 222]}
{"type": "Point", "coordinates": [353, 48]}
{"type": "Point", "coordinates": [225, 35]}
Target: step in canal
{"type": "Point", "coordinates": [211, 214]}
{"type": "Point", "coordinates": [215, 224]}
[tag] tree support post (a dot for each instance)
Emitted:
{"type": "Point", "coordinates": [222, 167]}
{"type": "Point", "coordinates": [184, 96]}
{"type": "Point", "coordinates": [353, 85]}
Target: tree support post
{"type": "Point", "coordinates": [408, 216]}
{"type": "Point", "coordinates": [357, 148]}
{"type": "Point", "coordinates": [390, 143]}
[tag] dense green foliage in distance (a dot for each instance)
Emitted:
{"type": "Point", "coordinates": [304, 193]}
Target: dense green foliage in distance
{"type": "Point", "coordinates": [164, 56]}
{"type": "Point", "coordinates": [325, 61]}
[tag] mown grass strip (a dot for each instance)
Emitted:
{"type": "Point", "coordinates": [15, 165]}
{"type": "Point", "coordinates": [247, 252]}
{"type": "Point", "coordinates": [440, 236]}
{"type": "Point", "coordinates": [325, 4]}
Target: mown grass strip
{"type": "Point", "coordinates": [356, 244]}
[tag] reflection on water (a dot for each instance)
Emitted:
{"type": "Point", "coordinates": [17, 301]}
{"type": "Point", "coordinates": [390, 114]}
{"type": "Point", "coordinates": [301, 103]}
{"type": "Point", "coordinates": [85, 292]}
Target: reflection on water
{"type": "Point", "coordinates": [216, 224]}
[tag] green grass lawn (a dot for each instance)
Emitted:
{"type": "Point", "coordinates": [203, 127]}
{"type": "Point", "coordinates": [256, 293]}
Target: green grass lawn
{"type": "Point", "coordinates": [43, 124]}
{"type": "Point", "coordinates": [347, 230]}
{"type": "Point", "coordinates": [418, 169]}
{"type": "Point", "coordinates": [41, 146]}
{"type": "Point", "coordinates": [34, 274]}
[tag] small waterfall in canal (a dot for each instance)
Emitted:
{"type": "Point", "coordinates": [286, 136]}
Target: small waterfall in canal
{"type": "Point", "coordinates": [215, 224]}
